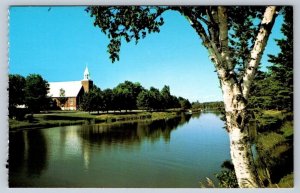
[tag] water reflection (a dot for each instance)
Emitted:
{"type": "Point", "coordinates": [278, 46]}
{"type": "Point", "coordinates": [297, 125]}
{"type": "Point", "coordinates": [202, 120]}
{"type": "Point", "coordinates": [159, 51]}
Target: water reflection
{"type": "Point", "coordinates": [133, 132]}
{"type": "Point", "coordinates": [29, 152]}
{"type": "Point", "coordinates": [162, 153]}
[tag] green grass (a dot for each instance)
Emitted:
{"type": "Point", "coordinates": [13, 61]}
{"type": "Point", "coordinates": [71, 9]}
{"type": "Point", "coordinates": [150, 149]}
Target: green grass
{"type": "Point", "coordinates": [287, 181]}
{"type": "Point", "coordinates": [287, 129]}
{"type": "Point", "coordinates": [274, 113]}
{"type": "Point", "coordinates": [269, 140]}
{"type": "Point", "coordinates": [59, 118]}
{"type": "Point", "coordinates": [275, 148]}
{"type": "Point", "coordinates": [40, 123]}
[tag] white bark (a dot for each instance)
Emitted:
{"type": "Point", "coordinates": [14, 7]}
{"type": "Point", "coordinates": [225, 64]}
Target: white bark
{"type": "Point", "coordinates": [259, 46]}
{"type": "Point", "coordinates": [242, 158]}
{"type": "Point", "coordinates": [237, 119]}
{"type": "Point", "coordinates": [238, 128]}
{"type": "Point", "coordinates": [235, 94]}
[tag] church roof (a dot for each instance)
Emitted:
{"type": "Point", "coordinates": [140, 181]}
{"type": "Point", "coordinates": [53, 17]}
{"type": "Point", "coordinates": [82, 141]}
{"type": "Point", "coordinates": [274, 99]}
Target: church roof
{"type": "Point", "coordinates": [71, 88]}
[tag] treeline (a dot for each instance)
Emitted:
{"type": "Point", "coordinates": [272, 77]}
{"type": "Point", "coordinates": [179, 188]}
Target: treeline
{"type": "Point", "coordinates": [208, 105]}
{"type": "Point", "coordinates": [30, 91]}
{"type": "Point", "coordinates": [128, 96]}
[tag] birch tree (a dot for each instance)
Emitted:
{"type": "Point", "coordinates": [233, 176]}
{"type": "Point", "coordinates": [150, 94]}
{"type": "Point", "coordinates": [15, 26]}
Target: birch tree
{"type": "Point", "coordinates": [235, 38]}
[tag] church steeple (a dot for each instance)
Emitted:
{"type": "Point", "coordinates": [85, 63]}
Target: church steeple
{"type": "Point", "coordinates": [87, 83]}
{"type": "Point", "coordinates": [86, 74]}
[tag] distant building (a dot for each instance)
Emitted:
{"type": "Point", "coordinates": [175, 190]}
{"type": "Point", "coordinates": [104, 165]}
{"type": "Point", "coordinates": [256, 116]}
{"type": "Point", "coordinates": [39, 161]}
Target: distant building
{"type": "Point", "coordinates": [72, 91]}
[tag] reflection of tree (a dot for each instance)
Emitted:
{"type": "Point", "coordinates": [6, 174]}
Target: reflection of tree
{"type": "Point", "coordinates": [16, 151]}
{"type": "Point", "coordinates": [196, 115]}
{"type": "Point", "coordinates": [28, 148]}
{"type": "Point", "coordinates": [37, 153]}
{"type": "Point", "coordinates": [134, 132]}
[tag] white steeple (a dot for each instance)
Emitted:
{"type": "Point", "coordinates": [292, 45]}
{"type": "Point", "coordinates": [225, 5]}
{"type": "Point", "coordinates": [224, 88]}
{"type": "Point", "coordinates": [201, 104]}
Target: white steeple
{"type": "Point", "coordinates": [86, 74]}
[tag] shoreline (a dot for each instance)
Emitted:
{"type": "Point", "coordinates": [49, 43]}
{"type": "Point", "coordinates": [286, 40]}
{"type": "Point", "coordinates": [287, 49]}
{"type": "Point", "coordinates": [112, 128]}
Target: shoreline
{"type": "Point", "coordinates": [48, 120]}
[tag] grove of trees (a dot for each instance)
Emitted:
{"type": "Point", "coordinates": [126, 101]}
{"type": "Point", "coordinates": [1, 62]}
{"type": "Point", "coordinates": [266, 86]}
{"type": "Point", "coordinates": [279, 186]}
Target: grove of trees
{"type": "Point", "coordinates": [129, 96]}
{"type": "Point", "coordinates": [218, 105]}
{"type": "Point", "coordinates": [235, 38]}
{"type": "Point", "coordinates": [30, 91]}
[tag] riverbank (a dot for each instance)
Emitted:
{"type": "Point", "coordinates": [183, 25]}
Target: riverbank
{"type": "Point", "coordinates": [63, 118]}
{"type": "Point", "coordinates": [274, 144]}
{"type": "Point", "coordinates": [273, 152]}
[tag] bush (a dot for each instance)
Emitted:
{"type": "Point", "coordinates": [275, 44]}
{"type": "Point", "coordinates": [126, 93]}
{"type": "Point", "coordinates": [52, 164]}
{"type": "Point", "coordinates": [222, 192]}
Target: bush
{"type": "Point", "coordinates": [227, 177]}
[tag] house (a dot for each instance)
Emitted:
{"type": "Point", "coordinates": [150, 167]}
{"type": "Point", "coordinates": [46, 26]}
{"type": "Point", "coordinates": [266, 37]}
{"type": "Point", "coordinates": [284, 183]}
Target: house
{"type": "Point", "coordinates": [68, 95]}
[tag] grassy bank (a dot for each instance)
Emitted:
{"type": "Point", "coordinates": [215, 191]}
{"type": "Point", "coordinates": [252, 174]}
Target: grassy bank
{"type": "Point", "coordinates": [62, 118]}
{"type": "Point", "coordinates": [274, 152]}
{"type": "Point", "coordinates": [274, 144]}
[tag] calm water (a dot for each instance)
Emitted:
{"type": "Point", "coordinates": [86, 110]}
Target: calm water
{"type": "Point", "coordinates": [178, 152]}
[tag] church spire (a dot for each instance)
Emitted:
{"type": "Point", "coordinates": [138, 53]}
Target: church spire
{"type": "Point", "coordinates": [86, 74]}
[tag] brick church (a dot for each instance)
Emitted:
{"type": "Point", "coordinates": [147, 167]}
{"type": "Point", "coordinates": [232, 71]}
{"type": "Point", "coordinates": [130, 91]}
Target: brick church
{"type": "Point", "coordinates": [72, 91]}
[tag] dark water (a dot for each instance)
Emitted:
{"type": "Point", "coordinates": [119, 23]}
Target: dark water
{"type": "Point", "coordinates": [178, 152]}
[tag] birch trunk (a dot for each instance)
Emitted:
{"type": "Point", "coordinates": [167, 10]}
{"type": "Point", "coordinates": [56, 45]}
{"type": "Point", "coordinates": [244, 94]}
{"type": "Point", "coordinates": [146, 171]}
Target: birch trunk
{"type": "Point", "coordinates": [235, 96]}
{"type": "Point", "coordinates": [237, 121]}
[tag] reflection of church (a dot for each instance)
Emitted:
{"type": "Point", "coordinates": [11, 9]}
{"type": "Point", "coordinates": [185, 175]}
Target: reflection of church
{"type": "Point", "coordinates": [71, 90]}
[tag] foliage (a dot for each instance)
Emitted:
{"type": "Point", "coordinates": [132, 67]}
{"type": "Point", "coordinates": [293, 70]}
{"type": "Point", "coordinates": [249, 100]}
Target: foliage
{"type": "Point", "coordinates": [128, 96]}
{"type": "Point", "coordinates": [132, 23]}
{"type": "Point", "coordinates": [92, 100]}
{"type": "Point", "coordinates": [30, 92]}
{"type": "Point", "coordinates": [153, 99]}
{"type": "Point", "coordinates": [62, 99]}
{"type": "Point", "coordinates": [184, 103]}
{"type": "Point", "coordinates": [144, 100]}
{"type": "Point", "coordinates": [16, 89]}
{"type": "Point", "coordinates": [16, 95]}
{"type": "Point", "coordinates": [36, 89]}
{"type": "Point", "coordinates": [125, 95]}
{"type": "Point", "coordinates": [114, 22]}
{"type": "Point", "coordinates": [208, 105]}
{"type": "Point", "coordinates": [282, 68]}
{"type": "Point", "coordinates": [226, 177]}
{"type": "Point", "coordinates": [107, 100]}
{"type": "Point", "coordinates": [275, 149]}
{"type": "Point", "coordinates": [274, 89]}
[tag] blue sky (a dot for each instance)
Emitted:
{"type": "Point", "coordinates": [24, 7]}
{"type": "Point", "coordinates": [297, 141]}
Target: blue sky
{"type": "Point", "coordinates": [59, 43]}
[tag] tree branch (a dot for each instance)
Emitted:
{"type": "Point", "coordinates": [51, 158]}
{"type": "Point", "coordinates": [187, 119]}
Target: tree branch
{"type": "Point", "coordinates": [258, 48]}
{"type": "Point", "coordinates": [213, 29]}
{"type": "Point", "coordinates": [207, 42]}
{"type": "Point", "coordinates": [223, 36]}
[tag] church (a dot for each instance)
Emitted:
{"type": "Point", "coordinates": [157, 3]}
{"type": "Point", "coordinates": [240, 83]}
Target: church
{"type": "Point", "coordinates": [71, 91]}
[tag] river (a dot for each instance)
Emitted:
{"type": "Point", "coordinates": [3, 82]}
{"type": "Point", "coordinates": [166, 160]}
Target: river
{"type": "Point", "coordinates": [172, 153]}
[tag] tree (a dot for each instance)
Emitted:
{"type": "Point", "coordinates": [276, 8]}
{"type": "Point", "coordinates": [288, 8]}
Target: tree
{"type": "Point", "coordinates": [98, 99]}
{"type": "Point", "coordinates": [92, 100]}
{"type": "Point", "coordinates": [282, 68]}
{"type": "Point", "coordinates": [62, 97]}
{"type": "Point", "coordinates": [107, 100]}
{"type": "Point", "coordinates": [143, 100]}
{"type": "Point", "coordinates": [235, 43]}
{"type": "Point", "coordinates": [36, 89]}
{"type": "Point", "coordinates": [155, 99]}
{"type": "Point", "coordinates": [126, 95]}
{"type": "Point", "coordinates": [16, 93]}
{"type": "Point", "coordinates": [166, 97]}
{"type": "Point", "coordinates": [184, 103]}
{"type": "Point", "coordinates": [274, 89]}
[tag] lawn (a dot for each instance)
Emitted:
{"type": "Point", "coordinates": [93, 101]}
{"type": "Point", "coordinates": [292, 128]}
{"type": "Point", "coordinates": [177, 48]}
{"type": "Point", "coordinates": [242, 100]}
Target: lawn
{"type": "Point", "coordinates": [60, 118]}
